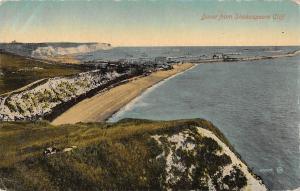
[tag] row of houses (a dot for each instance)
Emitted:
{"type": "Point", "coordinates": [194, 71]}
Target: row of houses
{"type": "Point", "coordinates": [139, 66]}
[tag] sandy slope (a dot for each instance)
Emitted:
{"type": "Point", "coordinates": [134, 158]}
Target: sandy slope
{"type": "Point", "coordinates": [103, 105]}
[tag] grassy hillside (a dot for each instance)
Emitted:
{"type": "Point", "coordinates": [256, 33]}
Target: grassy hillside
{"type": "Point", "coordinates": [121, 156]}
{"type": "Point", "coordinates": [17, 71]}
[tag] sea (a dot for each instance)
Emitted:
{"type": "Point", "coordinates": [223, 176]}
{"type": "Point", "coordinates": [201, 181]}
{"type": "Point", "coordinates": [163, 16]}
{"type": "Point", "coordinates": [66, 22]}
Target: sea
{"type": "Point", "coordinates": [255, 104]}
{"type": "Point", "coordinates": [184, 51]}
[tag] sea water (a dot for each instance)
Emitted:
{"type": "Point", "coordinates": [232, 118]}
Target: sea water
{"type": "Point", "coordinates": [255, 104]}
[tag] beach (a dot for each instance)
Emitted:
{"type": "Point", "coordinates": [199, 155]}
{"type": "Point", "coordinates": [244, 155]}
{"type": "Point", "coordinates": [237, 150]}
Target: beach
{"type": "Point", "coordinates": [103, 105]}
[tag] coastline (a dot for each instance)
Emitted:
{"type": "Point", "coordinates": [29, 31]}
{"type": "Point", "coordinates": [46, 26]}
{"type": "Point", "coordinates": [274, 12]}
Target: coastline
{"type": "Point", "coordinates": [136, 99]}
{"type": "Point", "coordinates": [221, 60]}
{"type": "Point", "coordinates": [103, 105]}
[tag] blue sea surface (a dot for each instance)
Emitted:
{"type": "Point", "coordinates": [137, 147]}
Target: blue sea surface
{"type": "Point", "coordinates": [255, 104]}
{"type": "Point", "coordinates": [188, 51]}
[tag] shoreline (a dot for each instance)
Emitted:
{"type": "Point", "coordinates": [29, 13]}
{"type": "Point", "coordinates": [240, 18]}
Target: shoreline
{"type": "Point", "coordinates": [134, 100]}
{"type": "Point", "coordinates": [104, 105]}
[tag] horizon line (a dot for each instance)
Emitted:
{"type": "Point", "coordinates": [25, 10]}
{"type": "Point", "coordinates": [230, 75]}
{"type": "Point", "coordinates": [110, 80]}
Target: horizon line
{"type": "Point", "coordinates": [149, 45]}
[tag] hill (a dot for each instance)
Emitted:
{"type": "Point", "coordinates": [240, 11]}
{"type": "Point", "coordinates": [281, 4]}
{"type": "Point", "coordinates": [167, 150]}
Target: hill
{"type": "Point", "coordinates": [127, 155]}
{"type": "Point", "coordinates": [17, 71]}
{"type": "Point", "coordinates": [45, 49]}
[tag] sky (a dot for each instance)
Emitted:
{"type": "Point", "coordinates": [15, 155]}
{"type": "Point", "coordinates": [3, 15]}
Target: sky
{"type": "Point", "coordinates": [153, 22]}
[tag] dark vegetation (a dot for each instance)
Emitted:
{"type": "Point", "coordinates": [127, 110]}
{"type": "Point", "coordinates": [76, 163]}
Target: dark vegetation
{"type": "Point", "coordinates": [109, 156]}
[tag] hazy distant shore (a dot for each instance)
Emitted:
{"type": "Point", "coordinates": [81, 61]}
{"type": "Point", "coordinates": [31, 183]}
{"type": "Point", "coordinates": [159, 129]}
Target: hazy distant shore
{"type": "Point", "coordinates": [233, 59]}
{"type": "Point", "coordinates": [102, 106]}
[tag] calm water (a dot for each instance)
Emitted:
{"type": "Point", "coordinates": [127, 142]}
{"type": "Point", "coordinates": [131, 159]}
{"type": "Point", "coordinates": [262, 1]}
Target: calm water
{"type": "Point", "coordinates": [187, 51]}
{"type": "Point", "coordinates": [256, 105]}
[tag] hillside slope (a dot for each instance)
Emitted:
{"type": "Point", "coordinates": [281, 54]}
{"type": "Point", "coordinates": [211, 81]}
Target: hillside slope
{"type": "Point", "coordinates": [128, 155]}
{"type": "Point", "coordinates": [42, 98]}
{"type": "Point", "coordinates": [50, 49]}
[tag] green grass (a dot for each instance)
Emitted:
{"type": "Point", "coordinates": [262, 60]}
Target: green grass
{"type": "Point", "coordinates": [109, 155]}
{"type": "Point", "coordinates": [16, 71]}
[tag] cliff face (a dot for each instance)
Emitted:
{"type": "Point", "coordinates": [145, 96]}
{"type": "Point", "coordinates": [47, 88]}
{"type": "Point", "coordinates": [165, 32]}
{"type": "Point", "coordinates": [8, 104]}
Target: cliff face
{"type": "Point", "coordinates": [128, 155]}
{"type": "Point", "coordinates": [46, 50]}
{"type": "Point", "coordinates": [195, 158]}
{"type": "Point", "coordinates": [51, 51]}
{"type": "Point", "coordinates": [40, 98]}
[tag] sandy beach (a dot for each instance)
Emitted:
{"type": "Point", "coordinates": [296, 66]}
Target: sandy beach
{"type": "Point", "coordinates": [103, 105]}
